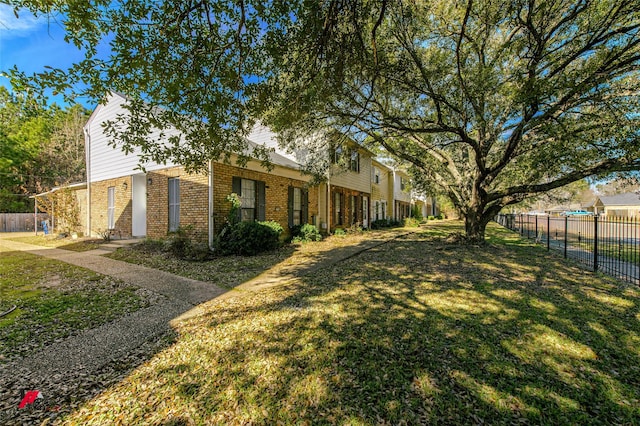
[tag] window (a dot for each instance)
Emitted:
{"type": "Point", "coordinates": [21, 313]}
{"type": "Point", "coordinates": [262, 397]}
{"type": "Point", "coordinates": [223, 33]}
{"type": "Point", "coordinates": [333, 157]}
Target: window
{"type": "Point", "coordinates": [354, 163]}
{"type": "Point", "coordinates": [403, 183]}
{"type": "Point", "coordinates": [174, 204]}
{"type": "Point", "coordinates": [376, 175]}
{"type": "Point", "coordinates": [252, 198]}
{"type": "Point", "coordinates": [111, 207]}
{"type": "Point", "coordinates": [297, 206]}
{"type": "Point", "coordinates": [354, 209]}
{"type": "Point", "coordinates": [337, 154]}
{"type": "Point", "coordinates": [247, 200]}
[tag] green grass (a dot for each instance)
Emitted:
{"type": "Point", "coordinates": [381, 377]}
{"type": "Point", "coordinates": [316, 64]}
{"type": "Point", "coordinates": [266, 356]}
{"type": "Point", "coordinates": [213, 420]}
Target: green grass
{"type": "Point", "coordinates": [63, 243]}
{"type": "Point", "coordinates": [417, 331]}
{"type": "Point", "coordinates": [54, 300]}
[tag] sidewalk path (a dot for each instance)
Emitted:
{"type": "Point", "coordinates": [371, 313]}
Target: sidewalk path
{"type": "Point", "coordinates": [80, 361]}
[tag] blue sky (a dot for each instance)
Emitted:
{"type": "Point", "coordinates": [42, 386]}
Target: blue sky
{"type": "Point", "coordinates": [32, 43]}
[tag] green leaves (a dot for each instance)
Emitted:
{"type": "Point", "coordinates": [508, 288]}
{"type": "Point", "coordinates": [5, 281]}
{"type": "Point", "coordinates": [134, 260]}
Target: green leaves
{"type": "Point", "coordinates": [490, 101]}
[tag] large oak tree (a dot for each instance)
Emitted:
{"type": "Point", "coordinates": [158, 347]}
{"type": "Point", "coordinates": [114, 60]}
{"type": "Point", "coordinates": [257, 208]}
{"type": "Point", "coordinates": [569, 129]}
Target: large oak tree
{"type": "Point", "coordinates": [490, 101]}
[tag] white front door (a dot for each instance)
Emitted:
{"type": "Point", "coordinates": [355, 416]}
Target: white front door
{"type": "Point", "coordinates": [139, 206]}
{"type": "Point", "coordinates": [365, 212]}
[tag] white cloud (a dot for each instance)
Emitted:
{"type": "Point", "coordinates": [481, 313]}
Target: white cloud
{"type": "Point", "coordinates": [10, 26]}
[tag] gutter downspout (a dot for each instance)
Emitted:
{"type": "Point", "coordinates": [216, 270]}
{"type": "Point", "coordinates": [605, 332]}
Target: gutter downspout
{"type": "Point", "coordinates": [35, 215]}
{"type": "Point", "coordinates": [328, 206]}
{"type": "Point", "coordinates": [87, 151]}
{"type": "Point", "coordinates": [211, 218]}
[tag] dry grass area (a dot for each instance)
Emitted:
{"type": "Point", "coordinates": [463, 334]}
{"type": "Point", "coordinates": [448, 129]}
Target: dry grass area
{"type": "Point", "coordinates": [422, 330]}
{"type": "Point", "coordinates": [68, 243]}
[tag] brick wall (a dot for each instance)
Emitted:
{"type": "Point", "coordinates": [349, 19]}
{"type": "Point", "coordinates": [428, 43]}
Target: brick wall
{"type": "Point", "coordinates": [122, 205]}
{"type": "Point", "coordinates": [347, 208]}
{"type": "Point", "coordinates": [276, 197]}
{"type": "Point", "coordinates": [194, 202]}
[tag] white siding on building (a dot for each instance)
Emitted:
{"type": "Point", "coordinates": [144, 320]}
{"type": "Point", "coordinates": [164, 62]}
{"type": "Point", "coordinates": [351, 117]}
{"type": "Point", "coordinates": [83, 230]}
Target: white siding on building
{"type": "Point", "coordinates": [105, 161]}
{"type": "Point", "coordinates": [353, 180]}
{"type": "Point", "coordinates": [398, 193]}
{"type": "Point", "coordinates": [382, 192]}
{"type": "Point", "coordinates": [264, 136]}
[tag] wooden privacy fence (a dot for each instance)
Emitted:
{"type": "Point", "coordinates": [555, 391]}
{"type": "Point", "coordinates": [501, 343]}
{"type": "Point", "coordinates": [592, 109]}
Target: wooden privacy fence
{"type": "Point", "coordinates": [20, 222]}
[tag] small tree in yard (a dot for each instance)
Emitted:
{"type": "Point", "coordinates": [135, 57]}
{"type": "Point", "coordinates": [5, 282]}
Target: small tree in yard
{"type": "Point", "coordinates": [62, 206]}
{"type": "Point", "coordinates": [490, 101]}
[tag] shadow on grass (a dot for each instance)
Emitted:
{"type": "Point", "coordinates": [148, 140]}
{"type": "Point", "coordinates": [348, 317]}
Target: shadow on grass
{"type": "Point", "coordinates": [417, 331]}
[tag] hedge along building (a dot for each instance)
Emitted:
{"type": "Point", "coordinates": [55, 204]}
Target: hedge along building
{"type": "Point", "coordinates": [128, 202]}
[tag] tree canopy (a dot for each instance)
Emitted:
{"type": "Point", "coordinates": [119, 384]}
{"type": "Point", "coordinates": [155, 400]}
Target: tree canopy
{"type": "Point", "coordinates": [491, 101]}
{"type": "Point", "coordinates": [40, 147]}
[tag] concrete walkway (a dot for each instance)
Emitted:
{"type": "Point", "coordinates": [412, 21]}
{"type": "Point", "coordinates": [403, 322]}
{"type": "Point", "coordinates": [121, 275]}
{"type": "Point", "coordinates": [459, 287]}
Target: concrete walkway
{"type": "Point", "coordinates": [71, 361]}
{"type": "Point", "coordinates": [77, 360]}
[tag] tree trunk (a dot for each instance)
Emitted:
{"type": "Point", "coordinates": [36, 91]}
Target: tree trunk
{"type": "Point", "coordinates": [475, 223]}
{"type": "Point", "coordinates": [474, 227]}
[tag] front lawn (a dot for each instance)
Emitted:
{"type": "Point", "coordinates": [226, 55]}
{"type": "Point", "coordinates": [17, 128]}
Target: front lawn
{"type": "Point", "coordinates": [422, 330]}
{"type": "Point", "coordinates": [54, 300]}
{"type": "Point", "coordinates": [79, 245]}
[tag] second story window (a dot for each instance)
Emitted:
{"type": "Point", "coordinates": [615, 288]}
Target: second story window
{"type": "Point", "coordinates": [403, 183]}
{"type": "Point", "coordinates": [337, 154]}
{"type": "Point", "coordinates": [376, 175]}
{"type": "Point", "coordinates": [354, 162]}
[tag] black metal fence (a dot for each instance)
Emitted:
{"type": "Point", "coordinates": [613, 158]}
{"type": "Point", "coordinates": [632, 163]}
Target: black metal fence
{"type": "Point", "coordinates": [606, 244]}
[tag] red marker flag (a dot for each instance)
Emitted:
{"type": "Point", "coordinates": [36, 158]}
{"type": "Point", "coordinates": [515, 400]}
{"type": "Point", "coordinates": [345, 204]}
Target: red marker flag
{"type": "Point", "coordinates": [29, 398]}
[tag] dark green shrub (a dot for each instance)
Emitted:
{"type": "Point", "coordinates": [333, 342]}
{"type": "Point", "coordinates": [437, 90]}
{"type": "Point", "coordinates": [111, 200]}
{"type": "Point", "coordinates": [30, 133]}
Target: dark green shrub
{"type": "Point", "coordinates": [339, 232]}
{"type": "Point", "coordinates": [416, 213]}
{"type": "Point", "coordinates": [384, 223]}
{"type": "Point", "coordinates": [273, 225]}
{"type": "Point", "coordinates": [199, 251]}
{"type": "Point", "coordinates": [150, 245]}
{"type": "Point", "coordinates": [178, 242]}
{"type": "Point", "coordinates": [305, 233]}
{"type": "Point", "coordinates": [248, 238]}
{"type": "Point", "coordinates": [440, 216]}
{"type": "Point", "coordinates": [411, 222]}
{"type": "Point", "coordinates": [186, 244]}
{"type": "Point", "coordinates": [431, 217]}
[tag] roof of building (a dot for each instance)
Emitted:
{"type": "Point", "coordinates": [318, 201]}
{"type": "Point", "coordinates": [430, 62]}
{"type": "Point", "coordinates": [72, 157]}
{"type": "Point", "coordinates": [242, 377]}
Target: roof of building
{"type": "Point", "coordinates": [276, 158]}
{"type": "Point", "coordinates": [627, 199]}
